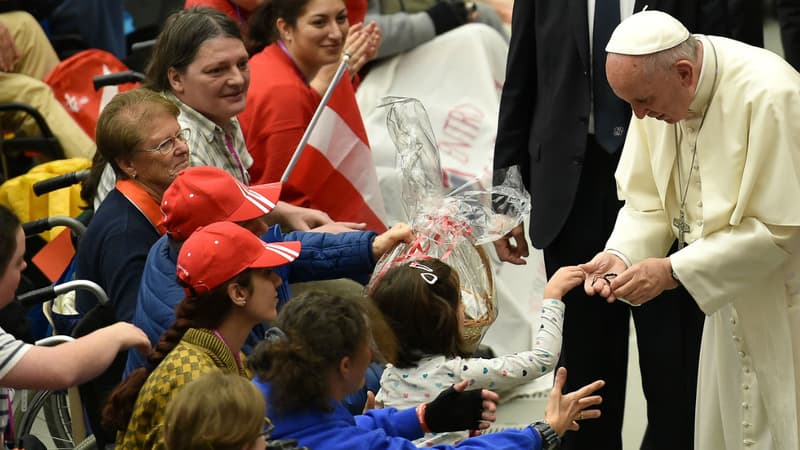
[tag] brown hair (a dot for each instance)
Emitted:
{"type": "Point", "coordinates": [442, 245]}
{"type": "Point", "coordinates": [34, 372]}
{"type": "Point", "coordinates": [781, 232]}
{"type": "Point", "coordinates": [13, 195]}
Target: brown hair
{"type": "Point", "coordinates": [219, 411]}
{"type": "Point", "coordinates": [422, 314]}
{"type": "Point", "coordinates": [262, 23]}
{"type": "Point", "coordinates": [180, 39]}
{"type": "Point", "coordinates": [207, 310]}
{"type": "Point", "coordinates": [121, 127]}
{"type": "Point", "coordinates": [320, 330]}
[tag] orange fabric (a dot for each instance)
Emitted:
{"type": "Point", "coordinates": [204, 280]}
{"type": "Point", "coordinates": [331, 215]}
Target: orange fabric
{"type": "Point", "coordinates": [146, 204]}
{"type": "Point", "coordinates": [55, 256]}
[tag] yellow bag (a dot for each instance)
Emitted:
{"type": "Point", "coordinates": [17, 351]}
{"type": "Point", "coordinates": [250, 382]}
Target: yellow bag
{"type": "Point", "coordinates": [17, 193]}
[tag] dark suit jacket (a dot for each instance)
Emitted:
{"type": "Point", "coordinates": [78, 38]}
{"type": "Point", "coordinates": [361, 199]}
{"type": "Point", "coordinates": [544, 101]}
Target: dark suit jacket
{"type": "Point", "coordinates": [544, 110]}
{"type": "Point", "coordinates": [789, 18]}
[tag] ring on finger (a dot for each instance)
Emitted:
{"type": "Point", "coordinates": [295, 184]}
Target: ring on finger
{"type": "Point", "coordinates": [580, 415]}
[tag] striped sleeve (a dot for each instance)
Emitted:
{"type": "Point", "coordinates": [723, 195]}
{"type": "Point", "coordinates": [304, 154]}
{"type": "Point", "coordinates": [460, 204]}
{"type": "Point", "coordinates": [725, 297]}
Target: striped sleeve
{"type": "Point", "coordinates": [11, 352]}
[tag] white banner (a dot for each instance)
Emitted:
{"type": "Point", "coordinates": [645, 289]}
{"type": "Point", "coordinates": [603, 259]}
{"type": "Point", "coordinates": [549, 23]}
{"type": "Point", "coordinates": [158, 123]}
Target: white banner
{"type": "Point", "coordinates": [458, 77]}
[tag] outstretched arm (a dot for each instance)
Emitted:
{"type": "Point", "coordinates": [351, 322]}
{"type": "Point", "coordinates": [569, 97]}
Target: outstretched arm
{"type": "Point", "coordinates": [75, 362]}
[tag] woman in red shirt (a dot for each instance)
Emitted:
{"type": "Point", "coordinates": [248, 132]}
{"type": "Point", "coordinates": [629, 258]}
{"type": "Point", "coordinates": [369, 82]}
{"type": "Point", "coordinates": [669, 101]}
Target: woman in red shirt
{"type": "Point", "coordinates": [293, 43]}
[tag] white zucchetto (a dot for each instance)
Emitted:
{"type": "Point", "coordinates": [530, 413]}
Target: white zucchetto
{"type": "Point", "coordinates": [645, 33]}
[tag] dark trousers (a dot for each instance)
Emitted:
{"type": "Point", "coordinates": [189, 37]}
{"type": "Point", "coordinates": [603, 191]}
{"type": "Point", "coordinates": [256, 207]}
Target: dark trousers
{"type": "Point", "coordinates": [596, 333]}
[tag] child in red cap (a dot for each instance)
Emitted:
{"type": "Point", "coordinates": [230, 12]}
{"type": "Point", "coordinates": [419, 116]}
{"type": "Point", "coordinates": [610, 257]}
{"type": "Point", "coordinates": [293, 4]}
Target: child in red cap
{"type": "Point", "coordinates": [227, 273]}
{"type": "Point", "coordinates": [202, 195]}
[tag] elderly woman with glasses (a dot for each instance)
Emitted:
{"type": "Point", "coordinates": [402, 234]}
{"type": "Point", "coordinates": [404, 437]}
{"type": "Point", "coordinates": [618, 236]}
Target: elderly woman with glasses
{"type": "Point", "coordinates": [139, 136]}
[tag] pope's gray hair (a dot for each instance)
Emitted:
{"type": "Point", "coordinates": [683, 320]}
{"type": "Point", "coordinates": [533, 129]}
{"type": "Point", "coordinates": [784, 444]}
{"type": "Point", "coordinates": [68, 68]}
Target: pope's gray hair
{"type": "Point", "coordinates": [664, 59]}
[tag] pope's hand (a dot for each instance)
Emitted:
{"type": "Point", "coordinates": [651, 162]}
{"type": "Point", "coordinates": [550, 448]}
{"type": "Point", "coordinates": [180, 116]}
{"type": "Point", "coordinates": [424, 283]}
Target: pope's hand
{"type": "Point", "coordinates": [643, 281]}
{"type": "Point", "coordinates": [600, 271]}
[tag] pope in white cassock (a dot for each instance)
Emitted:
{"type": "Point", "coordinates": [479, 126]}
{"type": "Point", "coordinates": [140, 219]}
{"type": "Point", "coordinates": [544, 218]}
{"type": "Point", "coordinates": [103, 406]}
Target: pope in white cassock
{"type": "Point", "coordinates": [712, 158]}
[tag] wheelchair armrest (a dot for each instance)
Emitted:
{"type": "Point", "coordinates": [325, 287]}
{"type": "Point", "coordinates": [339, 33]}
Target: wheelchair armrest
{"type": "Point", "coordinates": [47, 143]}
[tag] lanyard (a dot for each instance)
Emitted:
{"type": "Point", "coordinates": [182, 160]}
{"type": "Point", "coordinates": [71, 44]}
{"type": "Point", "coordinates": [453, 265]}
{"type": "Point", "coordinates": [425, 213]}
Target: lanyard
{"type": "Point", "coordinates": [229, 144]}
{"type": "Point", "coordinates": [233, 352]}
{"type": "Point", "coordinates": [282, 46]}
{"type": "Point", "coordinates": [143, 202]}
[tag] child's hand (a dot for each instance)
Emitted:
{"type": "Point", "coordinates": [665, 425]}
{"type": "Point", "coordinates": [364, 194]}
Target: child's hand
{"type": "Point", "coordinates": [563, 281]}
{"type": "Point", "coordinates": [385, 241]}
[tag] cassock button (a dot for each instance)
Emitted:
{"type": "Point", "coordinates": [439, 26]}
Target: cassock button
{"type": "Point", "coordinates": [699, 223]}
{"type": "Point", "coordinates": [746, 387]}
{"type": "Point", "coordinates": [699, 204]}
{"type": "Point", "coordinates": [748, 442]}
{"type": "Point", "coordinates": [742, 355]}
{"type": "Point", "coordinates": [745, 425]}
{"type": "Point", "coordinates": [745, 406]}
{"type": "Point", "coordinates": [690, 130]}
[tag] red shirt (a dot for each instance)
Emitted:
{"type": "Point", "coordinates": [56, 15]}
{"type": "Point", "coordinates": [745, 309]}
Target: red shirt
{"type": "Point", "coordinates": [279, 106]}
{"type": "Point", "coordinates": [238, 14]}
{"type": "Point", "coordinates": [356, 10]}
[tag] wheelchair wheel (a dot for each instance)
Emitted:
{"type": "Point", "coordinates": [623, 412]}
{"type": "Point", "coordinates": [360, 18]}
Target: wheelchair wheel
{"type": "Point", "coordinates": [45, 414]}
{"type": "Point", "coordinates": [88, 444]}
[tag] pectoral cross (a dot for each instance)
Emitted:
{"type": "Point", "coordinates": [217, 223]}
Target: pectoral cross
{"type": "Point", "coordinates": [683, 228]}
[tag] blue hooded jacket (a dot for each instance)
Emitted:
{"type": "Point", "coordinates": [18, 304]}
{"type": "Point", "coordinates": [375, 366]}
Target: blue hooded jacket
{"type": "Point", "coordinates": [323, 256]}
{"type": "Point", "coordinates": [378, 429]}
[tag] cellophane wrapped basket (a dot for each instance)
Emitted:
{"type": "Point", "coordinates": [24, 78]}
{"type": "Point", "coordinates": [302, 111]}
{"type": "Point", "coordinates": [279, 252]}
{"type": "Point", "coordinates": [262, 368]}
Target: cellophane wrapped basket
{"type": "Point", "coordinates": [451, 224]}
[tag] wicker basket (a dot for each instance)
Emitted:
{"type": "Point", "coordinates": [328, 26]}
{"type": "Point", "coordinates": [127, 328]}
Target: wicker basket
{"type": "Point", "coordinates": [476, 325]}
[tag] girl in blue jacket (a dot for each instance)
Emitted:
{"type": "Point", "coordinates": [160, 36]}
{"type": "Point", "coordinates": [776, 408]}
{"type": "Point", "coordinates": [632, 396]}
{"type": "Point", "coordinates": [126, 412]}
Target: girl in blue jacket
{"type": "Point", "coordinates": [321, 356]}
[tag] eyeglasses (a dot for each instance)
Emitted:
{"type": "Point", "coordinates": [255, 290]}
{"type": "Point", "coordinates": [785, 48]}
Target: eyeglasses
{"type": "Point", "coordinates": [168, 145]}
{"type": "Point", "coordinates": [268, 427]}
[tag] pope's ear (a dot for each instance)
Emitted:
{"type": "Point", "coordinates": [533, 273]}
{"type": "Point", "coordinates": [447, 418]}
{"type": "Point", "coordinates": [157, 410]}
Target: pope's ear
{"type": "Point", "coordinates": [685, 70]}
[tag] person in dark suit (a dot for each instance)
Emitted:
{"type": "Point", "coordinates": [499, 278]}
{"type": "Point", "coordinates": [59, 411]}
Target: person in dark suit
{"type": "Point", "coordinates": [788, 12]}
{"type": "Point", "coordinates": [568, 152]}
{"type": "Point", "coordinates": [746, 21]}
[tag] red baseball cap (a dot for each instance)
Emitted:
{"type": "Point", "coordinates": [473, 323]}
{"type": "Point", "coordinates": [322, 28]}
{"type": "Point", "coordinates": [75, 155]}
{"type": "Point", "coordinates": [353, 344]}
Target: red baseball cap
{"type": "Point", "coordinates": [214, 254]}
{"type": "Point", "coordinates": [202, 195]}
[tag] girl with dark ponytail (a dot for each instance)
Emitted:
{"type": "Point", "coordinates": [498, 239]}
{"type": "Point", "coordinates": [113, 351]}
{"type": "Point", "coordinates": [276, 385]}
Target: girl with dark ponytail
{"type": "Point", "coordinates": [230, 288]}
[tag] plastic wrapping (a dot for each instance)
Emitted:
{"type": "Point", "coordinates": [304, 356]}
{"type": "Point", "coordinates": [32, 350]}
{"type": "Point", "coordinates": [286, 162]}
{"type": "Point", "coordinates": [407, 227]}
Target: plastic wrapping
{"type": "Point", "coordinates": [451, 224]}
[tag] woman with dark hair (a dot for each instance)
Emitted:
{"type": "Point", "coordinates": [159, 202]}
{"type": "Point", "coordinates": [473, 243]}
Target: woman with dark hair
{"type": "Point", "coordinates": [292, 42]}
{"type": "Point", "coordinates": [322, 354]}
{"type": "Point", "coordinates": [230, 288]}
{"type": "Point", "coordinates": [23, 366]}
{"type": "Point", "coordinates": [200, 63]}
{"type": "Point", "coordinates": [240, 10]}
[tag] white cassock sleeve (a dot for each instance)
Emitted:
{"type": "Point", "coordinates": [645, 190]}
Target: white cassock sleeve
{"type": "Point", "coordinates": [718, 267]}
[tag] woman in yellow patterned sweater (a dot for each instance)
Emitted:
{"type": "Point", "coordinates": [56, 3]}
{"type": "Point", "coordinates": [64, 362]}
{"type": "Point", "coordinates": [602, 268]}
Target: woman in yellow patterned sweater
{"type": "Point", "coordinates": [230, 288]}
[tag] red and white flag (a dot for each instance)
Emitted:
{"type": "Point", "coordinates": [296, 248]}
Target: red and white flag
{"type": "Point", "coordinates": [335, 170]}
